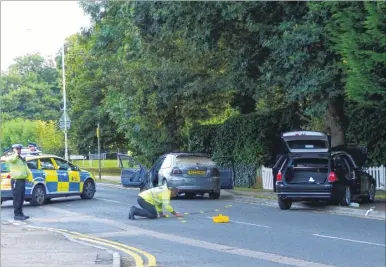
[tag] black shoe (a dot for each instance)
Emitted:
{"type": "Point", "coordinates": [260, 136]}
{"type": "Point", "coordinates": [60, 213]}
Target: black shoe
{"type": "Point", "coordinates": [131, 213]}
{"type": "Point", "coordinates": [26, 217]}
{"type": "Point", "coordinates": [20, 218]}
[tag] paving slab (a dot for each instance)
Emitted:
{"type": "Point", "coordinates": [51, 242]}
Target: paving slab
{"type": "Point", "coordinates": [27, 247]}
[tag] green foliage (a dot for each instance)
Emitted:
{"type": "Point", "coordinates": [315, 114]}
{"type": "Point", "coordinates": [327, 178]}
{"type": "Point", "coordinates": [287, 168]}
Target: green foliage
{"type": "Point", "coordinates": [358, 33]}
{"type": "Point", "coordinates": [153, 72]}
{"type": "Point", "coordinates": [252, 140]}
{"type": "Point", "coordinates": [44, 133]}
{"type": "Point", "coordinates": [84, 86]}
{"type": "Point", "coordinates": [30, 89]}
{"type": "Point", "coordinates": [368, 126]}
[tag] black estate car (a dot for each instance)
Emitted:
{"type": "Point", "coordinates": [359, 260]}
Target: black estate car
{"type": "Point", "coordinates": [310, 170]}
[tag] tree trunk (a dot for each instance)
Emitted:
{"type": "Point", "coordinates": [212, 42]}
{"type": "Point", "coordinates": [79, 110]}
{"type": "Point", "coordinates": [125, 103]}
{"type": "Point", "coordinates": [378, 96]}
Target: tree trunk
{"type": "Point", "coordinates": [335, 120]}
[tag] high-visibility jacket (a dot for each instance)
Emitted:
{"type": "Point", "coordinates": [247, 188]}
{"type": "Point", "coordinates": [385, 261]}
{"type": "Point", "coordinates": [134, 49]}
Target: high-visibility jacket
{"type": "Point", "coordinates": [158, 197]}
{"type": "Point", "coordinates": [18, 167]}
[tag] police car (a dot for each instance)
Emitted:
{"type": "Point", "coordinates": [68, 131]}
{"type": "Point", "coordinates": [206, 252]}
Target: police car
{"type": "Point", "coordinates": [50, 177]}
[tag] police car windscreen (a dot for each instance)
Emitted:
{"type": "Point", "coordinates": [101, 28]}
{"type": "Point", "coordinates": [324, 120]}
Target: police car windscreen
{"type": "Point", "coordinates": [307, 170]}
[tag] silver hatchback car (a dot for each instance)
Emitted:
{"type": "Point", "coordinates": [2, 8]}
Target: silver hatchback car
{"type": "Point", "coordinates": [191, 173]}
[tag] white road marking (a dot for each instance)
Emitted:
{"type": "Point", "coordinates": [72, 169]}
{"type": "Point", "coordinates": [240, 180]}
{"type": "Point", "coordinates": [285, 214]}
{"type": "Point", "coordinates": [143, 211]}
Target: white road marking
{"type": "Point", "coordinates": [251, 224]}
{"type": "Point", "coordinates": [198, 243]}
{"type": "Point", "coordinates": [114, 201]}
{"type": "Point", "coordinates": [101, 184]}
{"type": "Point", "coordinates": [350, 240]}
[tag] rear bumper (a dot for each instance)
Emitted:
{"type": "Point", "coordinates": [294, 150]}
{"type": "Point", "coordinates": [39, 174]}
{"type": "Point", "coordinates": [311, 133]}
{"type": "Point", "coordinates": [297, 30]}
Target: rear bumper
{"type": "Point", "coordinates": [301, 192]}
{"type": "Point", "coordinates": [198, 189]}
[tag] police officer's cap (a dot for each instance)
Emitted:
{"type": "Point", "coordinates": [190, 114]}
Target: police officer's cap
{"type": "Point", "coordinates": [17, 146]}
{"type": "Point", "coordinates": [32, 144]}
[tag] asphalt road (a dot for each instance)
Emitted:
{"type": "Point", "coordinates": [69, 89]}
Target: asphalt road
{"type": "Point", "coordinates": [256, 236]}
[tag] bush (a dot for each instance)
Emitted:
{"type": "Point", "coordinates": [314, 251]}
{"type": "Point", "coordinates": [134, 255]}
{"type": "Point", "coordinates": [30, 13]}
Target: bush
{"type": "Point", "coordinates": [252, 140]}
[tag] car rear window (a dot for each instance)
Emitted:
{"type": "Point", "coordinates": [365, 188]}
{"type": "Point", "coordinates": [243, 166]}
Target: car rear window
{"type": "Point", "coordinates": [307, 144]}
{"type": "Point", "coordinates": [4, 167]}
{"type": "Point", "coordinates": [182, 161]}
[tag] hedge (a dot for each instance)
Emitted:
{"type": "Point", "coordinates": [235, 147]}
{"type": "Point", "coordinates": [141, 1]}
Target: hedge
{"type": "Point", "coordinates": [252, 140]}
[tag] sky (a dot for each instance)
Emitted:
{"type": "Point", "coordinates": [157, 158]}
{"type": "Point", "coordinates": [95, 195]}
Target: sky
{"type": "Point", "coordinates": [37, 27]}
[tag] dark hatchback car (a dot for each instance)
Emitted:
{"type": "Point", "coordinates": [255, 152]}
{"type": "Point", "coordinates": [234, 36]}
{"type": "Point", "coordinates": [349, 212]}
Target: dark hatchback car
{"type": "Point", "coordinates": [192, 173]}
{"type": "Point", "coordinates": [310, 170]}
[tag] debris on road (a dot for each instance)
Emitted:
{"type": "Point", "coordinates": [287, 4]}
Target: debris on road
{"type": "Point", "coordinates": [220, 219]}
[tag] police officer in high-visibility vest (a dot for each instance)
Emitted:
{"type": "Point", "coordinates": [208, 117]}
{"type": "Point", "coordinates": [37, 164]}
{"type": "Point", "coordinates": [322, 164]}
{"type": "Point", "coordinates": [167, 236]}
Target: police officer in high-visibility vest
{"type": "Point", "coordinates": [19, 174]}
{"type": "Point", "coordinates": [152, 201]}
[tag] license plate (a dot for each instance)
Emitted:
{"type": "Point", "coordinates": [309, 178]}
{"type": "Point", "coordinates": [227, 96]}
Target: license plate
{"type": "Point", "coordinates": [195, 172]}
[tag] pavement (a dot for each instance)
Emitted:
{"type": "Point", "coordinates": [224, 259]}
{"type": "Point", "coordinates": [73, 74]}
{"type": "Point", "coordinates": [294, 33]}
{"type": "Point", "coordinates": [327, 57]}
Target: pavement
{"type": "Point", "coordinates": [23, 246]}
{"type": "Point", "coordinates": [257, 234]}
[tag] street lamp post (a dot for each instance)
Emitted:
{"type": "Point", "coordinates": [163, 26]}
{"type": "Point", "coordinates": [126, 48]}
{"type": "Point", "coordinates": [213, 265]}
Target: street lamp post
{"type": "Point", "coordinates": [64, 107]}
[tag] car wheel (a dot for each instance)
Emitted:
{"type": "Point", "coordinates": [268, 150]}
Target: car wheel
{"type": "Point", "coordinates": [214, 195]}
{"type": "Point", "coordinates": [38, 196]}
{"type": "Point", "coordinates": [371, 193]}
{"type": "Point", "coordinates": [346, 197]}
{"type": "Point", "coordinates": [284, 204]}
{"type": "Point", "coordinates": [88, 189]}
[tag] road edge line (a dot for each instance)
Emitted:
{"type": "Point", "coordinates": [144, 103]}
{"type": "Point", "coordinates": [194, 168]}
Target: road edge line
{"type": "Point", "coordinates": [151, 259]}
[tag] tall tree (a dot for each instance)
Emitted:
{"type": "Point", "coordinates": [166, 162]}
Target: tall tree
{"type": "Point", "coordinates": [30, 89]}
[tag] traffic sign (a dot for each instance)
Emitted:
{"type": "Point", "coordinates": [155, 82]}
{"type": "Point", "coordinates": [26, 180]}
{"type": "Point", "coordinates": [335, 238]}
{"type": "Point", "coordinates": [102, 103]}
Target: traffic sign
{"type": "Point", "coordinates": [65, 122]}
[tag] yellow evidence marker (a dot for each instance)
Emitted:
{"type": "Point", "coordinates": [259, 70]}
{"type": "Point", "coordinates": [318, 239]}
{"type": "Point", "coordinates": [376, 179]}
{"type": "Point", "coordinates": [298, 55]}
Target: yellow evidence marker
{"type": "Point", "coordinates": [220, 219]}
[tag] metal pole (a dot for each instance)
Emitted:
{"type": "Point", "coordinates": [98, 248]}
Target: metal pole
{"type": "Point", "coordinates": [64, 107]}
{"type": "Point", "coordinates": [99, 152]}
{"type": "Point", "coordinates": [118, 158]}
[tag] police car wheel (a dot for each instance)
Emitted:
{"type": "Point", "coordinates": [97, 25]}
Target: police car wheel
{"type": "Point", "coordinates": [88, 190]}
{"type": "Point", "coordinates": [38, 196]}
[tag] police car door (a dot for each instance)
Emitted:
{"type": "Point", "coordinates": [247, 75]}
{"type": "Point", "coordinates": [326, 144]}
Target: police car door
{"type": "Point", "coordinates": [133, 173]}
{"type": "Point", "coordinates": [50, 175]}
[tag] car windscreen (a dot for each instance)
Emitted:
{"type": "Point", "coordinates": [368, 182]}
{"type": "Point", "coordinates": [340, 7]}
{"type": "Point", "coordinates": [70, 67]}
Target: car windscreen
{"type": "Point", "coordinates": [185, 161]}
{"type": "Point", "coordinates": [4, 167]}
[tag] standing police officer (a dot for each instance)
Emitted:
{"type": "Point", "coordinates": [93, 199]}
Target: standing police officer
{"type": "Point", "coordinates": [19, 174]}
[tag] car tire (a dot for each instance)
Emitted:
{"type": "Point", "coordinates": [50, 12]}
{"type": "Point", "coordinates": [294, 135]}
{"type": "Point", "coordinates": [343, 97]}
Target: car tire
{"type": "Point", "coordinates": [346, 197]}
{"type": "Point", "coordinates": [88, 189]}
{"type": "Point", "coordinates": [371, 193]}
{"type": "Point", "coordinates": [214, 195]}
{"type": "Point", "coordinates": [38, 197]}
{"type": "Point", "coordinates": [284, 204]}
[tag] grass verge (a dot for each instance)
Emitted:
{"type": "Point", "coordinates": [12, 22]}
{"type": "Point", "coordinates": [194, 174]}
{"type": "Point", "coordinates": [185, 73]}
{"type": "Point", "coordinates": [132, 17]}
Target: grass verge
{"type": "Point", "coordinates": [105, 171]}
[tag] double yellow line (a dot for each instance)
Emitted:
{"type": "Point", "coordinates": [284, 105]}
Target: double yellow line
{"type": "Point", "coordinates": [135, 253]}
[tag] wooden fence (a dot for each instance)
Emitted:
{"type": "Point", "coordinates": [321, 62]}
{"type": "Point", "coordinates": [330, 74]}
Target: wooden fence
{"type": "Point", "coordinates": [379, 173]}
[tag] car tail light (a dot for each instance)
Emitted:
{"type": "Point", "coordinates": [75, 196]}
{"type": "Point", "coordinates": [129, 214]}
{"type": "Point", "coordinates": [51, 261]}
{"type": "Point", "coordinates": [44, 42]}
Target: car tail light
{"type": "Point", "coordinates": [176, 171]}
{"type": "Point", "coordinates": [279, 177]}
{"type": "Point", "coordinates": [215, 172]}
{"type": "Point", "coordinates": [332, 177]}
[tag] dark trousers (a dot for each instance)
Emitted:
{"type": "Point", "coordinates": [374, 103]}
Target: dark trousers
{"type": "Point", "coordinates": [18, 191]}
{"type": "Point", "coordinates": [147, 211]}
